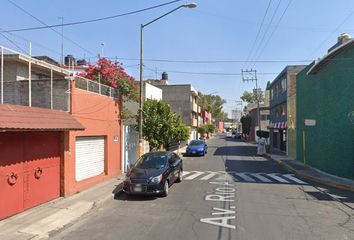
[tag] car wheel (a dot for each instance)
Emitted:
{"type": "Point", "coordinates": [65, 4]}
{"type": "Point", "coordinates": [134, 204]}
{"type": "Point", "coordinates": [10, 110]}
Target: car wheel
{"type": "Point", "coordinates": [165, 189]}
{"type": "Point", "coordinates": [180, 176]}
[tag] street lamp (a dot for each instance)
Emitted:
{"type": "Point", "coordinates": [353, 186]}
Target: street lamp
{"type": "Point", "coordinates": [142, 26]}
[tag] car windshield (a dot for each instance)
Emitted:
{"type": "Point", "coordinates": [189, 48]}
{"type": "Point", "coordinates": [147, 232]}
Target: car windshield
{"type": "Point", "coordinates": [196, 143]}
{"type": "Point", "coordinates": [154, 160]}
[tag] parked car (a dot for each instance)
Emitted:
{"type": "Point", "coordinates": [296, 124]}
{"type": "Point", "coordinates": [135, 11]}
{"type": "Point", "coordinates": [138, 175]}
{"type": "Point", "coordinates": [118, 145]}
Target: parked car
{"type": "Point", "coordinates": [197, 147]}
{"type": "Point", "coordinates": [153, 174]}
{"type": "Point", "coordinates": [237, 136]}
{"type": "Point", "coordinates": [228, 134]}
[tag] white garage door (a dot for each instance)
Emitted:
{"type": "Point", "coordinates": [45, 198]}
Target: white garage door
{"type": "Point", "coordinates": [89, 157]}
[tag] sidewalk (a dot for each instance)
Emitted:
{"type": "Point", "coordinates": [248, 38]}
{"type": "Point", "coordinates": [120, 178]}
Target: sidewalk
{"type": "Point", "coordinates": [40, 221]}
{"type": "Point", "coordinates": [311, 173]}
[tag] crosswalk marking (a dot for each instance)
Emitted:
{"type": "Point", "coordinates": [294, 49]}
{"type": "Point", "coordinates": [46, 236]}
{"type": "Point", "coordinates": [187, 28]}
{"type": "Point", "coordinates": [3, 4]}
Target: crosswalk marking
{"type": "Point", "coordinates": [260, 177]}
{"type": "Point", "coordinates": [224, 176]}
{"type": "Point", "coordinates": [291, 177]}
{"type": "Point", "coordinates": [210, 175]}
{"type": "Point", "coordinates": [279, 179]}
{"type": "Point", "coordinates": [192, 176]}
{"type": "Point", "coordinates": [242, 177]}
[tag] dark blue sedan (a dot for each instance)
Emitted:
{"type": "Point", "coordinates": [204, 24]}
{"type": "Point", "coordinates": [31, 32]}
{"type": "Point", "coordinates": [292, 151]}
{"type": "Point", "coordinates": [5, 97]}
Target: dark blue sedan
{"type": "Point", "coordinates": [197, 147]}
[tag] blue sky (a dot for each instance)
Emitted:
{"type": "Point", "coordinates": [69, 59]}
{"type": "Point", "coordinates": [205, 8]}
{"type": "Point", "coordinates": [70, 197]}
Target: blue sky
{"type": "Point", "coordinates": [219, 30]}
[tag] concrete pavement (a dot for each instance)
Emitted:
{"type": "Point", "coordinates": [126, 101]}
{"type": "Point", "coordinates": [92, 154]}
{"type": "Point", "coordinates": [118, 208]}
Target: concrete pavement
{"type": "Point", "coordinates": [310, 173]}
{"type": "Point", "coordinates": [40, 221]}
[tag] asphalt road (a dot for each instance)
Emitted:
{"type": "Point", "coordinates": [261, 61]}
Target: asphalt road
{"type": "Point", "coordinates": [228, 194]}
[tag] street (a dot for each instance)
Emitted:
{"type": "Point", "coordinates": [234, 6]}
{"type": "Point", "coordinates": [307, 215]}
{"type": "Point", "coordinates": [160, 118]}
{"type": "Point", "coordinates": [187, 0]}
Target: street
{"type": "Point", "coordinates": [228, 194]}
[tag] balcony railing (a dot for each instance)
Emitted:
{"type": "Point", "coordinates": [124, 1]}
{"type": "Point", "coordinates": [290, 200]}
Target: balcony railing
{"type": "Point", "coordinates": [95, 87]}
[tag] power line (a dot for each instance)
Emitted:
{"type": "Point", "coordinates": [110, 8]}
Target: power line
{"type": "Point", "coordinates": [91, 20]}
{"type": "Point", "coordinates": [275, 28]}
{"type": "Point", "coordinates": [57, 32]}
{"type": "Point", "coordinates": [33, 42]}
{"type": "Point", "coordinates": [15, 44]}
{"type": "Point", "coordinates": [267, 29]}
{"type": "Point", "coordinates": [335, 30]}
{"type": "Point", "coordinates": [216, 73]}
{"type": "Point", "coordinates": [259, 31]}
{"type": "Point", "coordinates": [210, 61]}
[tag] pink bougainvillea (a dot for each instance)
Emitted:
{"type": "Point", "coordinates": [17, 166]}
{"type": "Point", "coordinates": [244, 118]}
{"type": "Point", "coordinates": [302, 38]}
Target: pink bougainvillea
{"type": "Point", "coordinates": [114, 75]}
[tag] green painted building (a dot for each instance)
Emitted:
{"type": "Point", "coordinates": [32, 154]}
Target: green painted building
{"type": "Point", "coordinates": [325, 93]}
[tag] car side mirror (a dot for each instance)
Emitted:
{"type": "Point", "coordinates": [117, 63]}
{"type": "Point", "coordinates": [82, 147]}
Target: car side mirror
{"type": "Point", "coordinates": [130, 166]}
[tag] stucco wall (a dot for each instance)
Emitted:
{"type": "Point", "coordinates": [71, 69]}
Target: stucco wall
{"type": "Point", "coordinates": [327, 97]}
{"type": "Point", "coordinates": [100, 116]}
{"type": "Point", "coordinates": [179, 97]}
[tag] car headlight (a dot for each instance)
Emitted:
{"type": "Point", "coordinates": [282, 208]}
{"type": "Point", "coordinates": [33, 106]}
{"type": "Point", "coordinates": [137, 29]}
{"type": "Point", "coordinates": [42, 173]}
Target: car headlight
{"type": "Point", "coordinates": [156, 179]}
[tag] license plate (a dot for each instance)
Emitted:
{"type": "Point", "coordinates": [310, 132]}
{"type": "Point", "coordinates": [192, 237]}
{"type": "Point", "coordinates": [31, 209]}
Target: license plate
{"type": "Point", "coordinates": [194, 152]}
{"type": "Point", "coordinates": [138, 188]}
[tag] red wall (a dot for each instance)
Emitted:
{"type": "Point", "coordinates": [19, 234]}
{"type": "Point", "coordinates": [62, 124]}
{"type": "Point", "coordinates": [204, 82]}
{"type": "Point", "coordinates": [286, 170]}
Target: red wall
{"type": "Point", "coordinates": [100, 117]}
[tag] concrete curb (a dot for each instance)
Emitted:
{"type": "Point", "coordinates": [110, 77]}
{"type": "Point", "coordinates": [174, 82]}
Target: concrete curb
{"type": "Point", "coordinates": [311, 178]}
{"type": "Point", "coordinates": [48, 218]}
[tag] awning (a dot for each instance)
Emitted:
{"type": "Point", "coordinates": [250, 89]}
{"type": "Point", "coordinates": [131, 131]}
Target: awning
{"type": "Point", "coordinates": [279, 125]}
{"type": "Point", "coordinates": [16, 117]}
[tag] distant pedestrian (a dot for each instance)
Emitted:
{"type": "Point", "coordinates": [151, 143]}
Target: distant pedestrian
{"type": "Point", "coordinates": [261, 146]}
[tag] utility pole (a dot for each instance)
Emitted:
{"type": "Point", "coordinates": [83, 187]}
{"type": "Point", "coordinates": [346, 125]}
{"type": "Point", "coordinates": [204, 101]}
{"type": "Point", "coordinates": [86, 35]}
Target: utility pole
{"type": "Point", "coordinates": [251, 75]}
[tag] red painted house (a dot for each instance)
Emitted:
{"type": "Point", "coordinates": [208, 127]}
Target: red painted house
{"type": "Point", "coordinates": [58, 136]}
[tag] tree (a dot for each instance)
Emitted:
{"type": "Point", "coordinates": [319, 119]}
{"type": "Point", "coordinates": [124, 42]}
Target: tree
{"type": "Point", "coordinates": [202, 130]}
{"type": "Point", "coordinates": [114, 75]}
{"type": "Point", "coordinates": [211, 128]}
{"type": "Point", "coordinates": [251, 97]}
{"type": "Point", "coordinates": [212, 104]}
{"type": "Point", "coordinates": [161, 126]}
{"type": "Point", "coordinates": [246, 124]}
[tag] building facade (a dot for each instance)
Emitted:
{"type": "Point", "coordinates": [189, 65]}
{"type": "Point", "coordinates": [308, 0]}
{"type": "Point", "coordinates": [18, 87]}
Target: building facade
{"type": "Point", "coordinates": [58, 135]}
{"type": "Point", "coordinates": [183, 101]}
{"type": "Point", "coordinates": [325, 112]}
{"type": "Point", "coordinates": [282, 108]}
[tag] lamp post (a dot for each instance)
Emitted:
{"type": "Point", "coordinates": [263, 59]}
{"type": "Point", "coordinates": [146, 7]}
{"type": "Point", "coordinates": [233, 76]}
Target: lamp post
{"type": "Point", "coordinates": [142, 26]}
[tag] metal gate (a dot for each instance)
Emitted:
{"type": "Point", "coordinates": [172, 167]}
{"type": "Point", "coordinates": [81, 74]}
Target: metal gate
{"type": "Point", "coordinates": [29, 170]}
{"type": "Point", "coordinates": [130, 146]}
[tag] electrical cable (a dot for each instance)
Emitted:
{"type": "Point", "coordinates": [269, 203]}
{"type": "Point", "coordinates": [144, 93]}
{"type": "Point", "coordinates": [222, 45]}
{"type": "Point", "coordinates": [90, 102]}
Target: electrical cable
{"type": "Point", "coordinates": [215, 73]}
{"type": "Point", "coordinates": [259, 31]}
{"type": "Point", "coordinates": [33, 42]}
{"type": "Point", "coordinates": [209, 61]}
{"type": "Point", "coordinates": [57, 32]}
{"type": "Point", "coordinates": [91, 20]}
{"type": "Point", "coordinates": [332, 32]}
{"type": "Point", "coordinates": [266, 31]}
{"type": "Point", "coordinates": [15, 44]}
{"type": "Point", "coordinates": [274, 29]}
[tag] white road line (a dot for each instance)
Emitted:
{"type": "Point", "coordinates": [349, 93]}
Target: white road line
{"type": "Point", "coordinates": [260, 177]}
{"type": "Point", "coordinates": [279, 179]}
{"type": "Point", "coordinates": [292, 178]}
{"type": "Point", "coordinates": [194, 175]}
{"type": "Point", "coordinates": [224, 176]}
{"type": "Point", "coordinates": [244, 177]}
{"type": "Point", "coordinates": [185, 173]}
{"type": "Point", "coordinates": [210, 175]}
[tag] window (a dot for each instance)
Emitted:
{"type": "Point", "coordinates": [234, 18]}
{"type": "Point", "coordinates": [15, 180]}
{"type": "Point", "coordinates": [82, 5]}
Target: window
{"type": "Point", "coordinates": [283, 85]}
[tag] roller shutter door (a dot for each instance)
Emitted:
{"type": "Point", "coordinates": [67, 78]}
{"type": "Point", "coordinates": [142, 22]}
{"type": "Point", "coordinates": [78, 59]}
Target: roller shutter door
{"type": "Point", "coordinates": [89, 157]}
